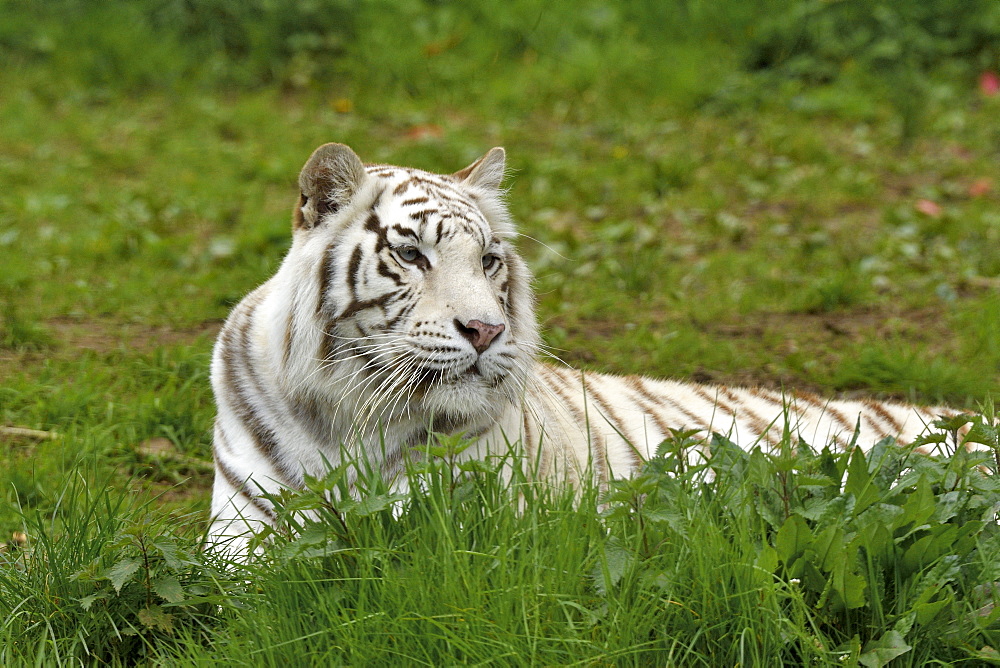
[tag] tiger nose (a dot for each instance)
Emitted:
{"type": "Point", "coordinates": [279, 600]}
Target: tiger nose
{"type": "Point", "coordinates": [479, 334]}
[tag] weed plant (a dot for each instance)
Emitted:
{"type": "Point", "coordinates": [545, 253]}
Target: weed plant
{"type": "Point", "coordinates": [799, 557]}
{"type": "Point", "coordinates": [103, 577]}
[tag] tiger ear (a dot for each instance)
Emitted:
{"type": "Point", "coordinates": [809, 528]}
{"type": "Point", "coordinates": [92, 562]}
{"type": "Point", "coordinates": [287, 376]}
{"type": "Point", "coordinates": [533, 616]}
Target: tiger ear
{"type": "Point", "coordinates": [487, 172]}
{"type": "Point", "coordinates": [327, 182]}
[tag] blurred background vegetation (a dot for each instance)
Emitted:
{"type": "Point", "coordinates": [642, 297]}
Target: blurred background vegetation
{"type": "Point", "coordinates": [799, 193]}
{"type": "Point", "coordinates": [426, 47]}
{"type": "Point", "coordinates": [688, 51]}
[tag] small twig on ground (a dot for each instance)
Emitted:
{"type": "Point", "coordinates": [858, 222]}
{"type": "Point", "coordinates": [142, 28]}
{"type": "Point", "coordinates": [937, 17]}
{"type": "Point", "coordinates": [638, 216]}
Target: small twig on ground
{"type": "Point", "coordinates": [24, 432]}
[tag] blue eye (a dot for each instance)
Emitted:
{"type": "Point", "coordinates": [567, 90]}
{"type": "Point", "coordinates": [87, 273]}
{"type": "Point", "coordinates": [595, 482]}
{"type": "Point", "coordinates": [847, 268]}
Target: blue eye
{"type": "Point", "coordinates": [408, 254]}
{"type": "Point", "coordinates": [489, 261]}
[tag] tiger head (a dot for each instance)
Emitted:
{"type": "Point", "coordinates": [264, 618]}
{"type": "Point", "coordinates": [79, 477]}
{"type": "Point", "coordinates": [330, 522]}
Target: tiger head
{"type": "Point", "coordinates": [421, 303]}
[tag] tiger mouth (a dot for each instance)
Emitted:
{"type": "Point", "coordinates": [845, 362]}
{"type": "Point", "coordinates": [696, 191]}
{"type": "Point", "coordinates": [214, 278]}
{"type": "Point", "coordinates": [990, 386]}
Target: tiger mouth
{"type": "Point", "coordinates": [427, 378]}
{"type": "Point", "coordinates": [441, 377]}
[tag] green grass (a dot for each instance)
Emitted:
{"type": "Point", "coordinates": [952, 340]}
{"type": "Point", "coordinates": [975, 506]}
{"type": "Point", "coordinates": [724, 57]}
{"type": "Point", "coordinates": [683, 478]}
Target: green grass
{"type": "Point", "coordinates": [727, 192]}
{"type": "Point", "coordinates": [815, 559]}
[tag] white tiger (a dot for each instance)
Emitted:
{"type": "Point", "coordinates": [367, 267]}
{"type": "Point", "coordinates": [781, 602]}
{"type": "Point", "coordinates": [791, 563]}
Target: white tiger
{"type": "Point", "coordinates": [402, 308]}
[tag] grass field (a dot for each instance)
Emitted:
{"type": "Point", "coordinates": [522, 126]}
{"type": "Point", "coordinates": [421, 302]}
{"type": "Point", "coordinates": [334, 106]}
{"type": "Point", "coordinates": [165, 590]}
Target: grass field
{"type": "Point", "coordinates": [780, 192]}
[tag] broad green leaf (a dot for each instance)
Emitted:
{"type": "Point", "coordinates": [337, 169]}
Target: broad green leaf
{"type": "Point", "coordinates": [300, 503]}
{"type": "Point", "coordinates": [986, 653]}
{"type": "Point", "coordinates": [445, 446]}
{"type": "Point", "coordinates": [671, 518]}
{"type": "Point", "coordinates": [936, 579]}
{"type": "Point", "coordinates": [609, 572]}
{"type": "Point", "coordinates": [904, 623]}
{"type": "Point", "coordinates": [984, 434]}
{"type": "Point", "coordinates": [883, 452]}
{"type": "Point", "coordinates": [437, 451]}
{"type": "Point", "coordinates": [848, 584]}
{"type": "Point", "coordinates": [880, 652]}
{"type": "Point", "coordinates": [173, 556]}
{"type": "Point", "coordinates": [882, 514]}
{"type": "Point", "coordinates": [318, 551]}
{"type": "Point", "coordinates": [767, 559]}
{"type": "Point", "coordinates": [829, 546]}
{"type": "Point", "coordinates": [926, 612]}
{"type": "Point", "coordinates": [859, 482]}
{"type": "Point", "coordinates": [169, 588]}
{"type": "Point", "coordinates": [89, 573]}
{"type": "Point", "coordinates": [952, 423]}
{"type": "Point", "coordinates": [122, 572]}
{"type": "Point", "coordinates": [154, 617]}
{"type": "Point", "coordinates": [796, 567]}
{"type": "Point", "coordinates": [793, 537]}
{"type": "Point", "coordinates": [943, 540]}
{"type": "Point", "coordinates": [314, 540]}
{"type": "Point", "coordinates": [806, 480]}
{"type": "Point", "coordinates": [727, 458]}
{"type": "Point", "coordinates": [876, 540]}
{"type": "Point", "coordinates": [966, 539]}
{"type": "Point", "coordinates": [344, 507]}
{"type": "Point", "coordinates": [376, 503]}
{"type": "Point", "coordinates": [833, 465]}
{"type": "Point", "coordinates": [475, 466]}
{"type": "Point", "coordinates": [812, 578]}
{"type": "Point", "coordinates": [88, 601]}
{"type": "Point", "coordinates": [933, 438]}
{"type": "Point", "coordinates": [919, 506]}
{"type": "Point", "coordinates": [313, 534]}
{"type": "Point", "coordinates": [918, 555]}
{"type": "Point", "coordinates": [770, 508]}
{"type": "Point", "coordinates": [825, 511]}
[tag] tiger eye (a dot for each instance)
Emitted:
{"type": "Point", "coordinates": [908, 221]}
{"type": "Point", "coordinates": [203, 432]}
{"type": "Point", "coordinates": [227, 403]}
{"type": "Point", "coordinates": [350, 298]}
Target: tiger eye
{"type": "Point", "coordinates": [408, 254]}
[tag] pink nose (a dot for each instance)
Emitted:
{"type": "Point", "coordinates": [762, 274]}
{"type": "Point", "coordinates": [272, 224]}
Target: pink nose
{"type": "Point", "coordinates": [479, 334]}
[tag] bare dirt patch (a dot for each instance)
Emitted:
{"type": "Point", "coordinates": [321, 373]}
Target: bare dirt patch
{"type": "Point", "coordinates": [772, 338]}
{"type": "Point", "coordinates": [70, 336]}
{"type": "Point", "coordinates": [108, 335]}
{"type": "Point", "coordinates": [919, 325]}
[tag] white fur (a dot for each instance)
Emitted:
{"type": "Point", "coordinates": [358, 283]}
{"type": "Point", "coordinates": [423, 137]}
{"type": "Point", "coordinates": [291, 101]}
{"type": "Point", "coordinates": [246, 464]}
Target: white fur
{"type": "Point", "coordinates": [307, 371]}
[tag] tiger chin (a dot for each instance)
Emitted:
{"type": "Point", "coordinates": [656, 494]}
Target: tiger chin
{"type": "Point", "coordinates": [403, 309]}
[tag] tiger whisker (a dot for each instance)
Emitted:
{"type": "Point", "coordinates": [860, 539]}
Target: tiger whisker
{"type": "Point", "coordinates": [387, 388]}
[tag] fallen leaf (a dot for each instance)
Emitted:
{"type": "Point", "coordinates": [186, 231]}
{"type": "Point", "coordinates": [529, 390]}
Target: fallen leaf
{"type": "Point", "coordinates": [989, 83]}
{"type": "Point", "coordinates": [154, 617]}
{"type": "Point", "coordinates": [438, 47]}
{"type": "Point", "coordinates": [155, 446]}
{"type": "Point", "coordinates": [980, 187]}
{"type": "Point", "coordinates": [929, 208]}
{"type": "Point", "coordinates": [424, 131]}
